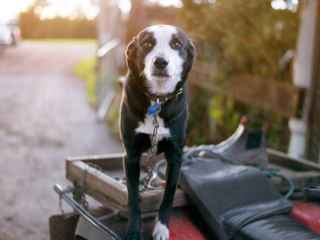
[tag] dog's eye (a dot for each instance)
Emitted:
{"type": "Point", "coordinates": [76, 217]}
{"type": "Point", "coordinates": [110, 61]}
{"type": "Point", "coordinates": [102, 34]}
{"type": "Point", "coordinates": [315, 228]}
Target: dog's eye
{"type": "Point", "coordinates": [176, 44]}
{"type": "Point", "coordinates": [147, 45]}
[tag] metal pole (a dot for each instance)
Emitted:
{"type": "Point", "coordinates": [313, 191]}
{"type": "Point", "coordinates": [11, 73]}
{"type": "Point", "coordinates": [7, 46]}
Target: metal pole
{"type": "Point", "coordinates": [84, 213]}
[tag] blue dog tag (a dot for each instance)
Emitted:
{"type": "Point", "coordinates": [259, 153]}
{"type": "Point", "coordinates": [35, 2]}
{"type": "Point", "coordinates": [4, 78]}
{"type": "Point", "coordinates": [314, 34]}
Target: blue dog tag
{"type": "Point", "coordinates": [154, 109]}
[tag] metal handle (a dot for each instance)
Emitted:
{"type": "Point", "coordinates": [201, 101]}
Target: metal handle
{"type": "Point", "coordinates": [63, 194]}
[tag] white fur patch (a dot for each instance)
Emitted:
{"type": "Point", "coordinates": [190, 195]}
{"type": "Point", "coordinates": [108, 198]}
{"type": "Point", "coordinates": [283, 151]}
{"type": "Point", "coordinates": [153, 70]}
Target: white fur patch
{"type": "Point", "coordinates": [160, 232]}
{"type": "Point", "coordinates": [163, 85]}
{"type": "Point", "coordinates": [147, 127]}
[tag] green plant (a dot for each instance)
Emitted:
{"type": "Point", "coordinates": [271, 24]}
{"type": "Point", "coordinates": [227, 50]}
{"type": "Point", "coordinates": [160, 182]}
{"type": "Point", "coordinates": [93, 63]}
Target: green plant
{"type": "Point", "coordinates": [239, 37]}
{"type": "Point", "coordinates": [86, 70]}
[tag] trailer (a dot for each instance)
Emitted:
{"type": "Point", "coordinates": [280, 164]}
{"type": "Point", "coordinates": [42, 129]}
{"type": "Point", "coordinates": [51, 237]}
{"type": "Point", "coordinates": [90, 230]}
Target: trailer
{"type": "Point", "coordinates": [101, 178]}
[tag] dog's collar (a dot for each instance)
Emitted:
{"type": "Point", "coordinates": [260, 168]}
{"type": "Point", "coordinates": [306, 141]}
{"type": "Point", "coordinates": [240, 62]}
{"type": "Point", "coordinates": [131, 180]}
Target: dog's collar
{"type": "Point", "coordinates": [164, 98]}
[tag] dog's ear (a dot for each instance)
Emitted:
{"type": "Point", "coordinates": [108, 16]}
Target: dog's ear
{"type": "Point", "coordinates": [191, 54]}
{"type": "Point", "coordinates": [131, 54]}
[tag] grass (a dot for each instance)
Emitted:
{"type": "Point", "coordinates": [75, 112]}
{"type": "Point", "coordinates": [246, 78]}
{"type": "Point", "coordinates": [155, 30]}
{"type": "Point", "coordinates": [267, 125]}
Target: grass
{"type": "Point", "coordinates": [62, 40]}
{"type": "Point", "coordinates": [86, 70]}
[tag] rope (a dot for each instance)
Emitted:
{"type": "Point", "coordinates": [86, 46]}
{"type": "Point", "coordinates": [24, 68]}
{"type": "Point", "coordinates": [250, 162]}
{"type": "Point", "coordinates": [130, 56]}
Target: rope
{"type": "Point", "coordinates": [275, 173]}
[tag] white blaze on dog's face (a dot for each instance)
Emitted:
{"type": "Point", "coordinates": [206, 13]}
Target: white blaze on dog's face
{"type": "Point", "coordinates": [163, 54]}
{"type": "Point", "coordinates": [163, 63]}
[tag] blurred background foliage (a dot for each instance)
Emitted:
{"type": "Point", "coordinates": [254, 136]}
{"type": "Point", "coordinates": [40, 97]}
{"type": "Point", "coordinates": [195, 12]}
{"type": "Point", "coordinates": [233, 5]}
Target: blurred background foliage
{"type": "Point", "coordinates": [233, 37]}
{"type": "Point", "coordinates": [33, 26]}
{"type": "Point", "coordinates": [238, 37]}
{"type": "Point", "coordinates": [86, 70]}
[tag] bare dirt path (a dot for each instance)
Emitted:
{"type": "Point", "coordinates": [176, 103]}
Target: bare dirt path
{"type": "Point", "coordinates": [44, 117]}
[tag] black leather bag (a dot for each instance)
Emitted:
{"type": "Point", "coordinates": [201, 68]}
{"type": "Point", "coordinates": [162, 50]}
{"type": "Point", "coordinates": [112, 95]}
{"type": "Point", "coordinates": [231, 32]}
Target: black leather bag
{"type": "Point", "coordinates": [238, 201]}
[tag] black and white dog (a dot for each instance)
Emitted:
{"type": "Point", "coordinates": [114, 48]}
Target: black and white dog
{"type": "Point", "coordinates": [159, 59]}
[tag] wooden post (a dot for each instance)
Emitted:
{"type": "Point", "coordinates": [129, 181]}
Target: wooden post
{"type": "Point", "coordinates": [304, 74]}
{"type": "Point", "coordinates": [110, 33]}
{"type": "Point", "coordinates": [138, 19]}
{"type": "Point", "coordinates": [313, 117]}
{"type": "Point", "coordinates": [109, 21]}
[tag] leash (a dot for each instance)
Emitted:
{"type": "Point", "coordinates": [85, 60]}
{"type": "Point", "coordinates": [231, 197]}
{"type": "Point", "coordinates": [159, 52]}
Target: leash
{"type": "Point", "coordinates": [154, 111]}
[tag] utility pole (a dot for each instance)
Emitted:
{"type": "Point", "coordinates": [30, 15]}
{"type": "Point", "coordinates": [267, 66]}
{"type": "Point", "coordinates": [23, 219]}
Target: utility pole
{"type": "Point", "coordinates": [304, 75]}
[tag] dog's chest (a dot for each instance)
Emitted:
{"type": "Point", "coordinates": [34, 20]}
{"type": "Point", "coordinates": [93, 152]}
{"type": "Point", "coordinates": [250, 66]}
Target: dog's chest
{"type": "Point", "coordinates": [148, 126]}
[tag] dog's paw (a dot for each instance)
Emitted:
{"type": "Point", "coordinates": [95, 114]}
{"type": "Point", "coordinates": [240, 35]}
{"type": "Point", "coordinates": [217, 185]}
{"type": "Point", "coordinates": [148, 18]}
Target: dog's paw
{"type": "Point", "coordinates": [160, 232]}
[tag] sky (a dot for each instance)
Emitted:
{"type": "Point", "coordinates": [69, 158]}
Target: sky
{"type": "Point", "coordinates": [70, 8]}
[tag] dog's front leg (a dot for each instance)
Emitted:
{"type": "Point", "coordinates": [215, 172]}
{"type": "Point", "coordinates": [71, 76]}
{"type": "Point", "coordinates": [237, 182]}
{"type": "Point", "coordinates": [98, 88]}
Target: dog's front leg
{"type": "Point", "coordinates": [132, 166]}
{"type": "Point", "coordinates": [161, 229]}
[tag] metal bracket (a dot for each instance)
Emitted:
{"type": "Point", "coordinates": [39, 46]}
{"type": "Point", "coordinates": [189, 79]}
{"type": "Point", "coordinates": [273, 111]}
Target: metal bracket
{"type": "Point", "coordinates": [64, 195]}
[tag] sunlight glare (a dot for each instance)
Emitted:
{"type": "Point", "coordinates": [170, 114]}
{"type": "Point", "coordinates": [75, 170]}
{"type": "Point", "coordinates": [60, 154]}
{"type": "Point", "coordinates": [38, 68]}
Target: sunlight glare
{"type": "Point", "coordinates": [125, 6]}
{"type": "Point", "coordinates": [70, 8]}
{"type": "Point", "coordinates": [166, 3]}
{"type": "Point", "coordinates": [283, 5]}
{"type": "Point", "coordinates": [11, 8]}
{"type": "Point", "coordinates": [279, 4]}
{"type": "Point", "coordinates": [55, 8]}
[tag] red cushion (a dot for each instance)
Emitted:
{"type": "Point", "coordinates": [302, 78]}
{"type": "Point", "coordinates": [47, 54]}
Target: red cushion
{"type": "Point", "coordinates": [307, 214]}
{"type": "Point", "coordinates": [181, 228]}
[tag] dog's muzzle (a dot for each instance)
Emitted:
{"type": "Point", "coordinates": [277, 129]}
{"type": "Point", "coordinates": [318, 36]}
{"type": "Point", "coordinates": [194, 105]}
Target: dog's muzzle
{"type": "Point", "coordinates": [160, 67]}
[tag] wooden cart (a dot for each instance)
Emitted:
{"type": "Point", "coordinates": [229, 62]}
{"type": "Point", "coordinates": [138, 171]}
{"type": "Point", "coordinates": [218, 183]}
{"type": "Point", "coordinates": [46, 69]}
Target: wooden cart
{"type": "Point", "coordinates": [99, 177]}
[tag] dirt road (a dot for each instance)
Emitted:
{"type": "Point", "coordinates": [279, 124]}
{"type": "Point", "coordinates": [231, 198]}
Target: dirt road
{"type": "Point", "coordinates": [44, 117]}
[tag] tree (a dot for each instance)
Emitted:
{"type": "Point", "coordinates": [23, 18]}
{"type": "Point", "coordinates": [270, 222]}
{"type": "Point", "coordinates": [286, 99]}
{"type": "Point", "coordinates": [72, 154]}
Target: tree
{"type": "Point", "coordinates": [241, 37]}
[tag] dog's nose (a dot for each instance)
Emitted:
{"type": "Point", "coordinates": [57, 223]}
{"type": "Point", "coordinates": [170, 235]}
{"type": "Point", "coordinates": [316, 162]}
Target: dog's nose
{"type": "Point", "coordinates": [160, 63]}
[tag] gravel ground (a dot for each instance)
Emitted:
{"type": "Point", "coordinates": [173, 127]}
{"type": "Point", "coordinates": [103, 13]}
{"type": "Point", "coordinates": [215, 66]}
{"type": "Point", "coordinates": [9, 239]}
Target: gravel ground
{"type": "Point", "coordinates": [44, 117]}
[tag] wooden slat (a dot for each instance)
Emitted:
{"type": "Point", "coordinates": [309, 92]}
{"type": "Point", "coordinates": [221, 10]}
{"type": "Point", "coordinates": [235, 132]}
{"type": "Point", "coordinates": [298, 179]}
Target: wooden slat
{"type": "Point", "coordinates": [62, 226]}
{"type": "Point", "coordinates": [299, 171]}
{"type": "Point", "coordinates": [109, 192]}
{"type": "Point", "coordinates": [106, 201]}
{"type": "Point", "coordinates": [97, 181]}
{"type": "Point", "coordinates": [100, 157]}
{"type": "Point", "coordinates": [283, 159]}
{"type": "Point", "coordinates": [151, 200]}
{"type": "Point", "coordinates": [111, 161]}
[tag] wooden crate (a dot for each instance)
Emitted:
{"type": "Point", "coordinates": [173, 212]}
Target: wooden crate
{"type": "Point", "coordinates": [300, 171]}
{"type": "Point", "coordinates": [100, 182]}
{"type": "Point", "coordinates": [96, 175]}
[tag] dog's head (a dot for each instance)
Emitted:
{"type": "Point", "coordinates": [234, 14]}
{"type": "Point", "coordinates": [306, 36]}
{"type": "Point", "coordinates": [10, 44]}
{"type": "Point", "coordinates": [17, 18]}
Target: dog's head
{"type": "Point", "coordinates": [163, 55]}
